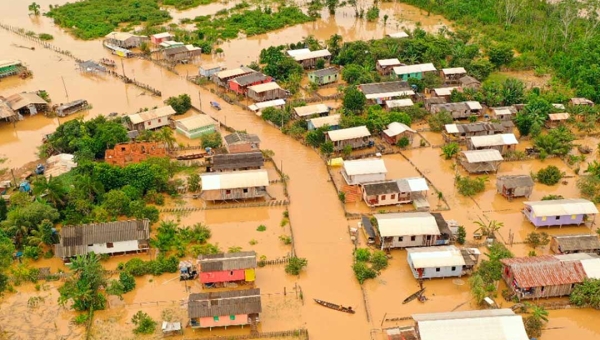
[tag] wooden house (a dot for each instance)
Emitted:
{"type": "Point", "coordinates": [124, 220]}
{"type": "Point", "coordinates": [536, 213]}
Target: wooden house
{"type": "Point", "coordinates": [512, 186]}
{"type": "Point", "coordinates": [266, 91]}
{"type": "Point", "coordinates": [581, 101]}
{"type": "Point", "coordinates": [451, 75]}
{"type": "Point", "coordinates": [440, 262]}
{"type": "Point", "coordinates": [161, 37]}
{"type": "Point", "coordinates": [130, 153]}
{"type": "Point", "coordinates": [195, 126]}
{"type": "Point", "coordinates": [398, 103]}
{"type": "Point", "coordinates": [386, 66]}
{"type": "Point", "coordinates": [444, 92]}
{"type": "Point", "coordinates": [224, 309]}
{"type": "Point", "coordinates": [258, 107]}
{"type": "Point", "coordinates": [357, 137]}
{"type": "Point", "coordinates": [396, 131]}
{"type": "Point", "coordinates": [217, 270]}
{"type": "Point", "coordinates": [181, 54]}
{"type": "Point", "coordinates": [241, 84]}
{"type": "Point", "coordinates": [503, 142]}
{"type": "Point", "coordinates": [481, 161]}
{"type": "Point", "coordinates": [112, 238]}
{"type": "Point", "coordinates": [309, 59]}
{"type": "Point", "coordinates": [124, 39]}
{"type": "Point", "coordinates": [208, 70]}
{"type": "Point", "coordinates": [461, 132]}
{"type": "Point", "coordinates": [151, 119]}
{"type": "Point", "coordinates": [487, 324]}
{"type": "Point", "coordinates": [429, 102]}
{"type": "Point", "coordinates": [311, 111]}
{"type": "Point", "coordinates": [362, 171]}
{"type": "Point", "coordinates": [6, 112]}
{"type": "Point", "coordinates": [504, 113]}
{"type": "Point", "coordinates": [460, 110]}
{"type": "Point", "coordinates": [556, 119]}
{"type": "Point", "coordinates": [560, 212]}
{"type": "Point", "coordinates": [238, 185]}
{"type": "Point", "coordinates": [412, 229]}
{"type": "Point", "coordinates": [222, 78]}
{"type": "Point", "coordinates": [27, 103]}
{"type": "Point", "coordinates": [468, 82]}
{"type": "Point", "coordinates": [394, 192]}
{"type": "Point", "coordinates": [413, 71]}
{"type": "Point", "coordinates": [324, 76]}
{"type": "Point", "coordinates": [575, 243]}
{"type": "Point", "coordinates": [380, 92]}
{"type": "Point", "coordinates": [333, 122]}
{"type": "Point", "coordinates": [236, 161]}
{"type": "Point", "coordinates": [296, 52]}
{"type": "Point", "coordinates": [241, 142]}
{"type": "Point", "coordinates": [70, 108]}
{"type": "Point", "coordinates": [9, 67]}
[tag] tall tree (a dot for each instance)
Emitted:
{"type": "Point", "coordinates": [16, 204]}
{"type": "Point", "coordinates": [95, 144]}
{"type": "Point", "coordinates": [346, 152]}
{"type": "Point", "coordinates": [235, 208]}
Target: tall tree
{"type": "Point", "coordinates": [35, 8]}
{"type": "Point", "coordinates": [83, 287]}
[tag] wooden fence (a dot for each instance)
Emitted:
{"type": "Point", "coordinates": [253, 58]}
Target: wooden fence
{"type": "Point", "coordinates": [274, 203]}
{"type": "Point", "coordinates": [298, 333]}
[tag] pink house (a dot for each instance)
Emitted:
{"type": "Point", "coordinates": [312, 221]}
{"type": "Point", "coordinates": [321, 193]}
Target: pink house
{"type": "Point", "coordinates": [161, 37]}
{"type": "Point", "coordinates": [217, 269]}
{"type": "Point", "coordinates": [222, 309]}
{"type": "Point", "coordinates": [241, 84]}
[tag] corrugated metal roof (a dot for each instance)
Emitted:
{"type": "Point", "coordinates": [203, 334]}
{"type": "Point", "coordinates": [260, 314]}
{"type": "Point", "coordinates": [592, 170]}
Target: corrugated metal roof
{"type": "Point", "coordinates": [350, 133]}
{"type": "Point", "coordinates": [398, 35]}
{"type": "Point", "coordinates": [389, 62]}
{"type": "Point", "coordinates": [241, 137]}
{"type": "Point", "coordinates": [309, 110]}
{"type": "Point", "coordinates": [473, 105]}
{"type": "Point", "coordinates": [391, 94]}
{"type": "Point", "coordinates": [194, 122]}
{"type": "Point", "coordinates": [559, 106]}
{"type": "Point", "coordinates": [576, 257]}
{"type": "Point", "coordinates": [386, 89]}
{"type": "Point", "coordinates": [162, 35]}
{"type": "Point", "coordinates": [365, 166]}
{"type": "Point", "coordinates": [312, 54]}
{"type": "Point", "coordinates": [454, 70]}
{"type": "Point", "coordinates": [545, 270]}
{"type": "Point", "coordinates": [577, 242]}
{"type": "Point", "coordinates": [451, 128]}
{"type": "Point", "coordinates": [18, 101]}
{"type": "Point", "coordinates": [141, 117]}
{"type": "Point", "coordinates": [381, 188]}
{"type": "Point", "coordinates": [325, 72]}
{"type": "Point", "coordinates": [417, 184]}
{"type": "Point", "coordinates": [396, 128]}
{"type": "Point", "coordinates": [264, 87]}
{"type": "Point", "coordinates": [471, 314]}
{"type": "Point", "coordinates": [232, 161]}
{"type": "Point", "coordinates": [558, 116]}
{"type": "Point", "coordinates": [399, 103]}
{"type": "Point", "coordinates": [224, 303]}
{"type": "Point", "coordinates": [591, 267]}
{"type": "Point", "coordinates": [562, 207]}
{"type": "Point", "coordinates": [480, 156]}
{"type": "Point", "coordinates": [293, 53]}
{"type": "Point", "coordinates": [233, 72]}
{"type": "Point", "coordinates": [407, 224]}
{"type": "Point", "coordinates": [235, 180]}
{"type": "Point", "coordinates": [494, 140]}
{"type": "Point", "coordinates": [329, 120]}
{"type": "Point", "coordinates": [581, 101]}
{"type": "Point", "coordinates": [7, 63]}
{"type": "Point", "coordinates": [227, 261]}
{"type": "Point", "coordinates": [120, 36]}
{"type": "Point", "coordinates": [250, 78]}
{"type": "Point", "coordinates": [504, 110]}
{"type": "Point", "coordinates": [444, 91]}
{"type": "Point", "coordinates": [515, 181]}
{"type": "Point", "coordinates": [400, 70]}
{"type": "Point", "coordinates": [264, 105]}
{"type": "Point", "coordinates": [433, 257]}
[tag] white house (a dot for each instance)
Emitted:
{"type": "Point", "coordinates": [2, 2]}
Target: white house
{"type": "Point", "coordinates": [355, 137]}
{"type": "Point", "coordinates": [258, 107]}
{"type": "Point", "coordinates": [208, 70]}
{"type": "Point", "coordinates": [238, 185]}
{"type": "Point", "coordinates": [412, 229]}
{"type": "Point", "coordinates": [394, 192]}
{"type": "Point", "coordinates": [152, 119]}
{"type": "Point", "coordinates": [111, 238]}
{"type": "Point", "coordinates": [436, 262]}
{"type": "Point", "coordinates": [364, 170]}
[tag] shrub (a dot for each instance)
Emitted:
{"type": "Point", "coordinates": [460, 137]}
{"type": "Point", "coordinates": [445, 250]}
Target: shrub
{"type": "Point", "coordinates": [363, 272]}
{"type": "Point", "coordinates": [144, 323]}
{"type": "Point", "coordinates": [128, 281]}
{"type": "Point", "coordinates": [295, 265]}
{"type": "Point", "coordinates": [261, 227]}
{"type": "Point", "coordinates": [403, 142]}
{"type": "Point", "coordinates": [549, 175]}
{"type": "Point", "coordinates": [379, 260]}
{"type": "Point", "coordinates": [342, 196]}
{"type": "Point", "coordinates": [285, 239]}
{"type": "Point", "coordinates": [439, 120]}
{"type": "Point", "coordinates": [32, 252]}
{"type": "Point", "coordinates": [362, 255]}
{"type": "Point", "coordinates": [535, 240]}
{"type": "Point", "coordinates": [470, 187]}
{"type": "Point", "coordinates": [462, 234]}
{"type": "Point", "coordinates": [45, 36]}
{"type": "Point", "coordinates": [587, 294]}
{"type": "Point", "coordinates": [81, 319]}
{"type": "Point", "coordinates": [234, 249]}
{"type": "Point", "coordinates": [450, 149]}
{"type": "Point", "coordinates": [181, 104]}
{"type": "Point", "coordinates": [211, 140]}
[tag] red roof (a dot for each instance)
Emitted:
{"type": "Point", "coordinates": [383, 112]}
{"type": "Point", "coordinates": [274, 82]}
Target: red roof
{"type": "Point", "coordinates": [547, 270]}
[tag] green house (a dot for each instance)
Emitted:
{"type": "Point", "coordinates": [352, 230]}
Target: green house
{"type": "Point", "coordinates": [413, 71]}
{"type": "Point", "coordinates": [9, 67]}
{"type": "Point", "coordinates": [325, 76]}
{"type": "Point", "coordinates": [196, 126]}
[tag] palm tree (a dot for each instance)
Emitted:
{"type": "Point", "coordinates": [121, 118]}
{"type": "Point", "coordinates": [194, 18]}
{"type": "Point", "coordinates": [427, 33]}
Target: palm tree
{"type": "Point", "coordinates": [42, 235]}
{"type": "Point", "coordinates": [488, 229]}
{"type": "Point", "coordinates": [593, 169]}
{"type": "Point", "coordinates": [165, 135]}
{"type": "Point", "coordinates": [90, 187]}
{"type": "Point", "coordinates": [51, 189]}
{"type": "Point", "coordinates": [35, 8]}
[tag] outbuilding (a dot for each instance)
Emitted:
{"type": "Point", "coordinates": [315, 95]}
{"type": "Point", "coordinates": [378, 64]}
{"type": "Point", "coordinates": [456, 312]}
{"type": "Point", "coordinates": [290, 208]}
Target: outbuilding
{"type": "Point", "coordinates": [575, 243]}
{"type": "Point", "coordinates": [398, 103]}
{"type": "Point", "coordinates": [453, 74]}
{"type": "Point", "coordinates": [504, 113]}
{"type": "Point", "coordinates": [397, 131]}
{"type": "Point", "coordinates": [224, 309]}
{"type": "Point", "coordinates": [356, 137]}
{"type": "Point", "coordinates": [258, 107]}
{"type": "Point", "coordinates": [512, 186]}
{"type": "Point", "coordinates": [468, 82]}
{"type": "Point", "coordinates": [207, 70]}
{"type": "Point", "coordinates": [581, 101]}
{"type": "Point", "coordinates": [196, 126]}
{"type": "Point", "coordinates": [438, 262]}
{"type": "Point", "coordinates": [152, 119]}
{"type": "Point", "coordinates": [161, 37]}
{"type": "Point", "coordinates": [556, 119]}
{"type": "Point", "coordinates": [560, 212]}
{"type": "Point", "coordinates": [386, 66]}
{"type": "Point", "coordinates": [238, 185]}
{"type": "Point", "coordinates": [481, 161]}
{"type": "Point", "coordinates": [412, 229]}
{"type": "Point", "coordinates": [362, 171]}
{"type": "Point", "coordinates": [217, 270]}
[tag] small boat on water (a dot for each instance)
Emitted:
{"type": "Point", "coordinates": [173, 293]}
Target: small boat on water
{"type": "Point", "coordinates": [108, 62]}
{"type": "Point", "coordinates": [335, 307]}
{"type": "Point", "coordinates": [215, 105]}
{"type": "Point", "coordinates": [413, 296]}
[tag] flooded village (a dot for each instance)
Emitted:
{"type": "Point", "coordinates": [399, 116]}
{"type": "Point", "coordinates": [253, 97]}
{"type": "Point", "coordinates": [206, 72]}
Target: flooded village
{"type": "Point", "coordinates": [346, 176]}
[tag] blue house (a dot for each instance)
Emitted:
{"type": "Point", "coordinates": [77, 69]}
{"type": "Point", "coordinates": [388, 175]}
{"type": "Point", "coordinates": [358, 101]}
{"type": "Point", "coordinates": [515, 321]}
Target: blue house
{"type": "Point", "coordinates": [413, 71]}
{"type": "Point", "coordinates": [332, 121]}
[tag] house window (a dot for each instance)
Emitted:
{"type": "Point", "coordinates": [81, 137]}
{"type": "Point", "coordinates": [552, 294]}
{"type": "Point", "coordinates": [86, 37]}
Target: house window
{"type": "Point", "coordinates": [90, 245]}
{"type": "Point", "coordinates": [232, 317]}
{"type": "Point", "coordinates": [227, 192]}
{"type": "Point", "coordinates": [393, 197]}
{"type": "Point", "coordinates": [558, 217]}
{"type": "Point", "coordinates": [149, 123]}
{"type": "Point", "coordinates": [400, 239]}
{"type": "Point", "coordinates": [438, 269]}
{"type": "Point", "coordinates": [453, 268]}
{"type": "Point", "coordinates": [159, 120]}
{"type": "Point", "coordinates": [573, 217]}
{"type": "Point", "coordinates": [109, 245]}
{"type": "Point", "coordinates": [382, 197]}
{"type": "Point", "coordinates": [428, 237]}
{"type": "Point", "coordinates": [231, 273]}
{"type": "Point", "coordinates": [413, 238]}
{"type": "Point", "coordinates": [215, 318]}
{"type": "Point", "coordinates": [245, 190]}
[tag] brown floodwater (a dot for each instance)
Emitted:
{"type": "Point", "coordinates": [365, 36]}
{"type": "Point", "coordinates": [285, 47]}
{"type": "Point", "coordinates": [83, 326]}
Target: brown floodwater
{"type": "Point", "coordinates": [319, 225]}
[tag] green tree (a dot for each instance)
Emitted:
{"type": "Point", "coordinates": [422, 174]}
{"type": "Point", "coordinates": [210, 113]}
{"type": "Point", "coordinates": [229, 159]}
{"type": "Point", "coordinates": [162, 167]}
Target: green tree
{"type": "Point", "coordinates": [513, 91]}
{"type": "Point", "coordinates": [128, 281]}
{"type": "Point", "coordinates": [332, 5]}
{"type": "Point", "coordinates": [462, 235]}
{"type": "Point", "coordinates": [327, 148]}
{"type": "Point", "coordinates": [438, 121]}
{"type": "Point", "coordinates": [450, 149]}
{"type": "Point", "coordinates": [52, 190]}
{"type": "Point", "coordinates": [181, 104]}
{"type": "Point", "coordinates": [295, 265]}
{"type": "Point", "coordinates": [586, 294]}
{"type": "Point", "coordinates": [211, 140]}
{"type": "Point", "coordinates": [144, 323]}
{"type": "Point", "coordinates": [347, 151]}
{"type": "Point", "coordinates": [379, 260]}
{"type": "Point", "coordinates": [363, 272]}
{"type": "Point", "coordinates": [116, 203]}
{"type": "Point", "coordinates": [549, 175]}
{"type": "Point", "coordinates": [354, 101]}
{"type": "Point", "coordinates": [373, 13]}
{"type": "Point", "coordinates": [535, 240]}
{"type": "Point", "coordinates": [193, 182]}
{"type": "Point", "coordinates": [403, 142]}
{"type": "Point", "coordinates": [470, 187]}
{"type": "Point", "coordinates": [35, 8]}
{"type": "Point", "coordinates": [316, 137]}
{"type": "Point", "coordinates": [166, 136]}
{"type": "Point", "coordinates": [83, 287]}
{"type": "Point", "coordinates": [489, 228]}
{"type": "Point", "coordinates": [362, 255]}
{"type": "Point", "coordinates": [500, 55]}
{"type": "Point", "coordinates": [558, 142]}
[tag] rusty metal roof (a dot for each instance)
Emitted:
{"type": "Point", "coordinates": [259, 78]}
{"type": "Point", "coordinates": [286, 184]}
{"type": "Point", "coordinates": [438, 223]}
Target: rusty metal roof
{"type": "Point", "coordinates": [547, 270]}
{"type": "Point", "coordinates": [224, 303]}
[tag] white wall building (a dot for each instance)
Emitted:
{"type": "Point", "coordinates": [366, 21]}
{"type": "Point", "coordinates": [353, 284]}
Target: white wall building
{"type": "Point", "coordinates": [364, 170]}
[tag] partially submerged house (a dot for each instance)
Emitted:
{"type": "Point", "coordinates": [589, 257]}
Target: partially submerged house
{"type": "Point", "coordinates": [412, 229]}
{"type": "Point", "coordinates": [129, 153]}
{"type": "Point", "coordinates": [112, 238]}
{"type": "Point", "coordinates": [490, 324]}
{"type": "Point", "coordinates": [362, 171]}
{"type": "Point", "coordinates": [481, 161]}
{"type": "Point", "coordinates": [560, 212]}
{"type": "Point", "coordinates": [258, 107]}
{"type": "Point", "coordinates": [356, 137]}
{"type": "Point", "coordinates": [195, 126]}
{"type": "Point", "coordinates": [266, 91]}
{"type": "Point", "coordinates": [440, 262]}
{"type": "Point", "coordinates": [241, 84]}
{"type": "Point", "coordinates": [386, 66]}
{"type": "Point", "coordinates": [398, 103]}
{"type": "Point", "coordinates": [380, 92]}
{"type": "Point", "coordinates": [453, 74]}
{"type": "Point", "coordinates": [581, 101]}
{"type": "Point", "coordinates": [413, 71]}
{"type": "Point", "coordinates": [512, 186]}
{"type": "Point", "coordinates": [309, 59]}
{"type": "Point", "coordinates": [241, 142]}
{"type": "Point", "coordinates": [70, 108]}
{"type": "Point", "coordinates": [161, 37]}
{"type": "Point", "coordinates": [575, 243]}
{"type": "Point", "coordinates": [9, 67]}
{"type": "Point", "coordinates": [224, 309]}
{"type": "Point", "coordinates": [311, 111]}
{"type": "Point", "coordinates": [461, 132]}
{"type": "Point", "coordinates": [124, 39]}
{"type": "Point", "coordinates": [181, 54]}
{"type": "Point", "coordinates": [207, 70]}
{"type": "Point", "coordinates": [6, 112]}
{"type": "Point", "coordinates": [556, 119]}
{"type": "Point", "coordinates": [238, 185]}
{"type": "Point", "coordinates": [394, 192]}
{"type": "Point", "coordinates": [502, 142]}
{"type": "Point", "coordinates": [217, 270]}
{"type": "Point", "coordinates": [151, 119]}
{"type": "Point", "coordinates": [27, 103]}
{"type": "Point", "coordinates": [222, 78]}
{"type": "Point", "coordinates": [460, 110]}
{"type": "Point", "coordinates": [324, 76]}
{"type": "Point", "coordinates": [396, 131]}
{"type": "Point", "coordinates": [236, 161]}
{"type": "Point", "coordinates": [333, 122]}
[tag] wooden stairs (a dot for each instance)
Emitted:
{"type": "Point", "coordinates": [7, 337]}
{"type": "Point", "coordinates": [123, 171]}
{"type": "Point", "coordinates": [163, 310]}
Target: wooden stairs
{"type": "Point", "coordinates": [352, 192]}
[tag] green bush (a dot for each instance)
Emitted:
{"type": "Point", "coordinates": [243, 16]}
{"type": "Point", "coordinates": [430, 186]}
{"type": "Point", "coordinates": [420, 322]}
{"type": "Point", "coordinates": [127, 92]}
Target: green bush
{"type": "Point", "coordinates": [362, 255]}
{"type": "Point", "coordinates": [403, 142]}
{"type": "Point", "coordinates": [379, 260]}
{"type": "Point", "coordinates": [45, 36]}
{"type": "Point", "coordinates": [81, 319]}
{"type": "Point", "coordinates": [549, 175]}
{"type": "Point", "coordinates": [181, 104]}
{"type": "Point", "coordinates": [470, 187]}
{"type": "Point", "coordinates": [144, 323]}
{"type": "Point", "coordinates": [211, 140]}
{"type": "Point", "coordinates": [462, 235]}
{"type": "Point", "coordinates": [363, 272]}
{"type": "Point", "coordinates": [30, 252]}
{"type": "Point", "coordinates": [438, 121]}
{"type": "Point", "coordinates": [261, 227]}
{"type": "Point", "coordinates": [128, 281]}
{"type": "Point", "coordinates": [295, 265]}
{"type": "Point", "coordinates": [450, 149]}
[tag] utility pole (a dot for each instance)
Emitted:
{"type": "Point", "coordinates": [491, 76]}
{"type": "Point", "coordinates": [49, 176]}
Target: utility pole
{"type": "Point", "coordinates": [199, 101]}
{"type": "Point", "coordinates": [123, 68]}
{"type": "Point", "coordinates": [65, 86]}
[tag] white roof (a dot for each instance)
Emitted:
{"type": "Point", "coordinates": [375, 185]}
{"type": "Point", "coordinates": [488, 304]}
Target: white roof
{"type": "Point", "coordinates": [562, 207]}
{"type": "Point", "coordinates": [6, 63]}
{"type": "Point", "coordinates": [192, 48]}
{"type": "Point", "coordinates": [293, 53]}
{"type": "Point", "coordinates": [399, 103]}
{"type": "Point", "coordinates": [389, 62]}
{"type": "Point", "coordinates": [417, 184]}
{"type": "Point", "coordinates": [451, 128]}
{"type": "Point", "coordinates": [433, 257]}
{"type": "Point", "coordinates": [231, 73]}
{"type": "Point", "coordinates": [414, 68]}
{"type": "Point", "coordinates": [162, 35]}
{"type": "Point", "coordinates": [165, 111]}
{"type": "Point", "coordinates": [407, 224]}
{"type": "Point", "coordinates": [365, 166]}
{"type": "Point", "coordinates": [444, 91]}
{"type": "Point", "coordinates": [329, 120]}
{"type": "Point", "coordinates": [480, 156]}
{"type": "Point", "coordinates": [559, 106]}
{"type": "Point", "coordinates": [264, 105]}
{"type": "Point", "coordinates": [195, 122]}
{"type": "Point", "coordinates": [472, 325]}
{"type": "Point", "coordinates": [312, 54]}
{"type": "Point", "coordinates": [210, 66]}
{"type": "Point", "coordinates": [396, 128]}
{"type": "Point", "coordinates": [264, 87]}
{"type": "Point", "coordinates": [350, 133]}
{"type": "Point", "coordinates": [390, 94]}
{"type": "Point", "coordinates": [558, 116]}
{"type": "Point", "coordinates": [591, 267]}
{"type": "Point", "coordinates": [474, 105]}
{"type": "Point", "coordinates": [454, 70]}
{"type": "Point", "coordinates": [502, 111]}
{"type": "Point", "coordinates": [398, 35]}
{"type": "Point", "coordinates": [309, 110]}
{"type": "Point", "coordinates": [494, 140]}
{"type": "Point", "coordinates": [235, 180]}
{"type": "Point", "coordinates": [121, 36]}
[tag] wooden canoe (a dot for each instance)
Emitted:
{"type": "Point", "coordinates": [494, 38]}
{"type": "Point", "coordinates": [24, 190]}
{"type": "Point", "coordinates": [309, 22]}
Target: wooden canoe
{"type": "Point", "coordinates": [413, 296]}
{"type": "Point", "coordinates": [335, 307]}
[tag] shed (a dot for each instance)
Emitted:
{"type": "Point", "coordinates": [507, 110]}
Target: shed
{"type": "Point", "coordinates": [581, 101]}
{"type": "Point", "coordinates": [380, 92]}
{"type": "Point", "coordinates": [436, 262]}
{"type": "Point", "coordinates": [27, 102]}
{"type": "Point", "coordinates": [266, 91]}
{"type": "Point", "coordinates": [556, 119]}
{"type": "Point", "coordinates": [362, 171]}
{"type": "Point", "coordinates": [320, 110]}
{"type": "Point", "coordinates": [258, 107]}
{"type": "Point", "coordinates": [386, 66]}
{"type": "Point", "coordinates": [238, 185]}
{"type": "Point", "coordinates": [324, 76]}
{"type": "Point", "coordinates": [356, 137]}
{"type": "Point", "coordinates": [478, 161]}
{"type": "Point", "coordinates": [412, 229]}
{"type": "Point", "coordinates": [575, 243]}
{"type": "Point", "coordinates": [398, 103]}
{"type": "Point", "coordinates": [413, 71]}
{"type": "Point", "coordinates": [512, 186]}
{"type": "Point", "coordinates": [241, 142]}
{"type": "Point", "coordinates": [124, 39]}
{"type": "Point", "coordinates": [222, 309]}
{"type": "Point", "coordinates": [207, 70]}
{"type": "Point", "coordinates": [445, 92]}
{"type": "Point", "coordinates": [309, 59]}
{"type": "Point", "coordinates": [453, 74]}
{"type": "Point", "coordinates": [237, 161]}
{"type": "Point", "coordinates": [396, 131]}
{"type": "Point", "coordinates": [468, 82]}
{"type": "Point", "coordinates": [560, 212]}
{"type": "Point", "coordinates": [151, 119]}
{"type": "Point", "coordinates": [333, 122]}
{"type": "Point", "coordinates": [241, 84]}
{"type": "Point", "coordinates": [218, 269]}
{"type": "Point", "coordinates": [195, 126]}
{"type": "Point", "coordinates": [502, 142]}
